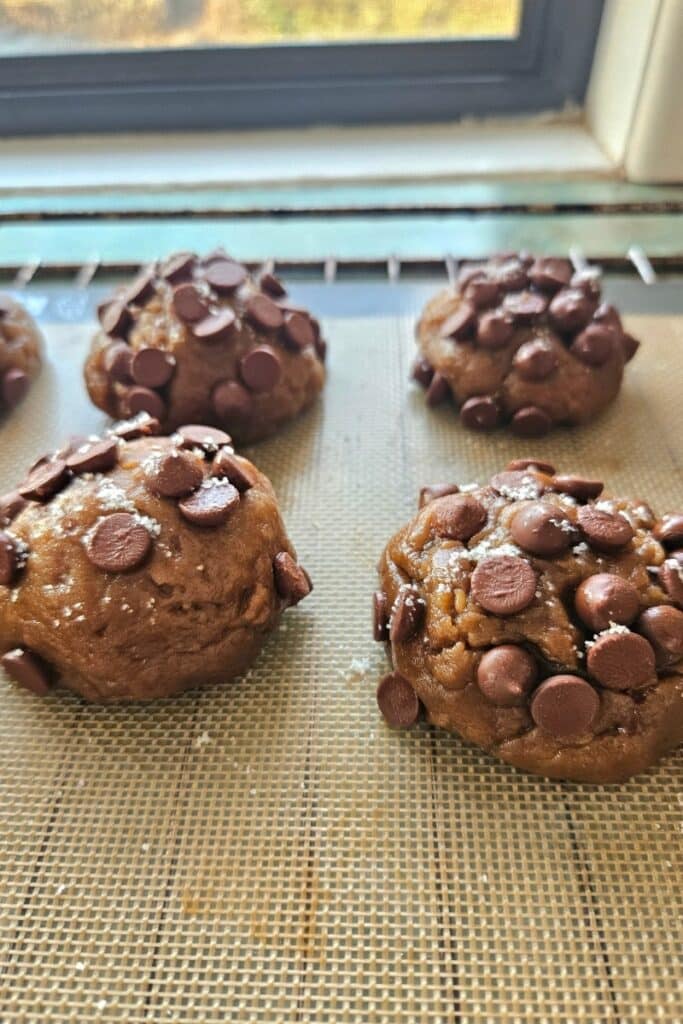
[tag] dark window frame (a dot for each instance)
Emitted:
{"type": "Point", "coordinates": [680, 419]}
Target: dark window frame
{"type": "Point", "coordinates": [241, 87]}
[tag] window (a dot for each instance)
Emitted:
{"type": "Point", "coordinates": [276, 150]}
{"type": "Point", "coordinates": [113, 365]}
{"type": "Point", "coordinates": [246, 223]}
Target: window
{"type": "Point", "coordinates": [83, 65]}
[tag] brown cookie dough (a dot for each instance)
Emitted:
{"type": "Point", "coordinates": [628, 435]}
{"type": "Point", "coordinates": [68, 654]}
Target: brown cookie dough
{"type": "Point", "coordinates": [539, 620]}
{"type": "Point", "coordinates": [201, 341]}
{"type": "Point", "coordinates": [21, 344]}
{"type": "Point", "coordinates": [524, 342]}
{"type": "Point", "coordinates": [136, 566]}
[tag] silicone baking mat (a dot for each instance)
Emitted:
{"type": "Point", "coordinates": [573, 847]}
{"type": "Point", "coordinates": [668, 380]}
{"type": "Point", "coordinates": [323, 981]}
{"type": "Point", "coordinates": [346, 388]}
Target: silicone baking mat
{"type": "Point", "coordinates": [268, 850]}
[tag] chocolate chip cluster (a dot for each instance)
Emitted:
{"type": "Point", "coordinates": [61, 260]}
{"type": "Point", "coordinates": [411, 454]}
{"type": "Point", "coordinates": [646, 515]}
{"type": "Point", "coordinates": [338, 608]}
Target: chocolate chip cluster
{"type": "Point", "coordinates": [532, 602]}
{"type": "Point", "coordinates": [523, 314]}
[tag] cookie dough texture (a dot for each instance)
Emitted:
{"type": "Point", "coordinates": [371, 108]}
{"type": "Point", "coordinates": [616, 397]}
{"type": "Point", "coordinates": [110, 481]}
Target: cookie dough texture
{"type": "Point", "coordinates": [540, 621]}
{"type": "Point", "coordinates": [135, 569]}
{"type": "Point", "coordinates": [197, 340]}
{"type": "Point", "coordinates": [20, 352]}
{"type": "Point", "coordinates": [523, 342]}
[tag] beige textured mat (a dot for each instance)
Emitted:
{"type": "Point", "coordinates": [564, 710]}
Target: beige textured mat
{"type": "Point", "coordinates": [269, 851]}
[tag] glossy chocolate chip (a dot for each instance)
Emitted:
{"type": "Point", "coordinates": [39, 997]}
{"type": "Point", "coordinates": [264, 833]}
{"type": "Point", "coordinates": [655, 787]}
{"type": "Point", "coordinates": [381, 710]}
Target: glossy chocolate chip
{"type": "Point", "coordinates": [261, 369]}
{"type": "Point", "coordinates": [173, 475]}
{"type": "Point", "coordinates": [504, 584]}
{"type": "Point", "coordinates": [218, 326]}
{"type": "Point", "coordinates": [577, 487]}
{"type": "Point", "coordinates": [438, 391]}
{"type": "Point", "coordinates": [141, 288]}
{"type": "Point", "coordinates": [433, 491]}
{"type": "Point", "coordinates": [506, 674]}
{"type": "Point", "coordinates": [629, 346]}
{"type": "Point", "coordinates": [531, 421]}
{"type": "Point", "coordinates": [45, 480]}
{"type": "Point", "coordinates": [272, 285]}
{"type": "Point", "coordinates": [225, 276]}
{"type": "Point", "coordinates": [669, 530]}
{"type": "Point", "coordinates": [524, 306]}
{"type": "Point", "coordinates": [197, 435]}
{"type": "Point", "coordinates": [594, 345]}
{"type": "Point", "coordinates": [457, 516]}
{"type": "Point", "coordinates": [264, 313]}
{"type": "Point", "coordinates": [621, 661]}
{"type": "Point", "coordinates": [139, 399]}
{"type": "Point", "coordinates": [482, 292]}
{"type": "Point", "coordinates": [461, 323]}
{"type": "Point", "coordinates": [292, 582]}
{"type": "Point", "coordinates": [536, 359]}
{"type": "Point", "coordinates": [542, 467]}
{"type": "Point", "coordinates": [13, 387]}
{"type": "Point", "coordinates": [550, 274]}
{"type": "Point", "coordinates": [189, 305]}
{"type": "Point", "coordinates": [11, 504]}
{"type": "Point", "coordinates": [397, 701]}
{"type": "Point", "coordinates": [604, 531]}
{"type": "Point", "coordinates": [604, 599]}
{"type": "Point", "coordinates": [94, 456]}
{"type": "Point", "coordinates": [662, 626]}
{"type": "Point", "coordinates": [119, 543]}
{"type": "Point", "coordinates": [542, 529]}
{"type": "Point", "coordinates": [298, 331]}
{"type": "Point", "coordinates": [212, 504]}
{"type": "Point", "coordinates": [152, 367]}
{"type": "Point", "coordinates": [238, 471]}
{"type": "Point", "coordinates": [230, 400]}
{"type": "Point", "coordinates": [495, 329]}
{"type": "Point", "coordinates": [571, 310]}
{"type": "Point", "coordinates": [480, 412]}
{"type": "Point", "coordinates": [116, 319]}
{"type": "Point", "coordinates": [178, 267]}
{"type": "Point", "coordinates": [608, 315]}
{"type": "Point", "coordinates": [422, 372]}
{"type": "Point", "coordinates": [10, 562]}
{"type": "Point", "coordinates": [565, 706]}
{"type": "Point", "coordinates": [671, 578]}
{"type": "Point", "coordinates": [118, 360]}
{"type": "Point", "coordinates": [588, 281]}
{"type": "Point", "coordinates": [407, 615]}
{"type": "Point", "coordinates": [141, 425]}
{"type": "Point", "coordinates": [380, 616]}
{"type": "Point", "coordinates": [28, 670]}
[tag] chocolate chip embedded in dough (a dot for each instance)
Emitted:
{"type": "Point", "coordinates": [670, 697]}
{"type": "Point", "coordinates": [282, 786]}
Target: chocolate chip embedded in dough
{"type": "Point", "coordinates": [225, 276]}
{"type": "Point", "coordinates": [218, 326]}
{"type": "Point", "coordinates": [152, 367]}
{"type": "Point", "coordinates": [495, 329]}
{"type": "Point", "coordinates": [398, 702]}
{"type": "Point", "coordinates": [230, 400]}
{"type": "Point", "coordinates": [433, 491]}
{"type": "Point", "coordinates": [565, 706]}
{"type": "Point", "coordinates": [178, 267]}
{"type": "Point", "coordinates": [604, 531]}
{"type": "Point", "coordinates": [45, 480]}
{"type": "Point", "coordinates": [189, 305]}
{"type": "Point", "coordinates": [115, 319]}
{"type": "Point", "coordinates": [550, 274]}
{"type": "Point", "coordinates": [524, 306]}
{"type": "Point", "coordinates": [594, 345]}
{"type": "Point", "coordinates": [506, 674]}
{"type": "Point", "coordinates": [457, 516]}
{"type": "Point", "coordinates": [577, 487]}
{"type": "Point", "coordinates": [238, 471]}
{"type": "Point", "coordinates": [298, 331]}
{"type": "Point", "coordinates": [10, 560]}
{"type": "Point", "coordinates": [460, 324]}
{"type": "Point", "coordinates": [605, 598]}
{"type": "Point", "coordinates": [662, 625]}
{"type": "Point", "coordinates": [94, 456]}
{"type": "Point", "coordinates": [422, 372]}
{"type": "Point", "coordinates": [542, 467]}
{"type": "Point", "coordinates": [629, 346]}
{"type": "Point", "coordinates": [669, 529]}
{"type": "Point", "coordinates": [173, 475]}
{"type": "Point", "coordinates": [139, 399]}
{"type": "Point", "coordinates": [380, 616]}
{"type": "Point", "coordinates": [542, 529]}
{"type": "Point", "coordinates": [118, 543]}
{"type": "Point", "coordinates": [621, 661]}
{"type": "Point", "coordinates": [531, 421]}
{"type": "Point", "coordinates": [480, 412]}
{"type": "Point", "coordinates": [482, 292]}
{"type": "Point", "coordinates": [536, 359]}
{"type": "Point", "coordinates": [11, 504]}
{"type": "Point", "coordinates": [14, 385]}
{"type": "Point", "coordinates": [272, 285]}
{"type": "Point", "coordinates": [518, 484]}
{"type": "Point", "coordinates": [142, 287]}
{"type": "Point", "coordinates": [261, 369]}
{"type": "Point", "coordinates": [196, 435]}
{"type": "Point", "coordinates": [407, 615]}
{"type": "Point", "coordinates": [671, 578]}
{"type": "Point", "coordinates": [264, 313]}
{"type": "Point", "coordinates": [504, 584]}
{"type": "Point", "coordinates": [292, 582]}
{"type": "Point", "coordinates": [571, 310]}
{"type": "Point", "coordinates": [438, 391]}
{"type": "Point", "coordinates": [211, 504]}
{"type": "Point", "coordinates": [141, 425]}
{"type": "Point", "coordinates": [117, 360]}
{"type": "Point", "coordinates": [28, 670]}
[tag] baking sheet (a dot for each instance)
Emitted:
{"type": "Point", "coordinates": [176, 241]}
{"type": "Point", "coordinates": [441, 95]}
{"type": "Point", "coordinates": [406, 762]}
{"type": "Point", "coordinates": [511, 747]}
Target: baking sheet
{"type": "Point", "coordinates": [269, 851]}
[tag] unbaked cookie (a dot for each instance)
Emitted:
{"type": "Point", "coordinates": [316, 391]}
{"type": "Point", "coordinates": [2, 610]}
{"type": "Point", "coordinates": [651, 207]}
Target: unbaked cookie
{"type": "Point", "coordinates": [540, 620]}
{"type": "Point", "coordinates": [135, 566]}
{"type": "Point", "coordinates": [524, 342]}
{"type": "Point", "coordinates": [197, 340]}
{"type": "Point", "coordinates": [20, 352]}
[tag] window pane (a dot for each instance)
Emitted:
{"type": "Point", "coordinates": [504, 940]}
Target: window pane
{"type": "Point", "coordinates": [49, 26]}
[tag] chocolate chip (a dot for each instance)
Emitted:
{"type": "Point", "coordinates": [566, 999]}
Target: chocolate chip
{"type": "Point", "coordinates": [118, 543]}
{"type": "Point", "coordinates": [11, 504]}
{"type": "Point", "coordinates": [594, 345]}
{"type": "Point", "coordinates": [10, 562]}
{"type": "Point", "coordinates": [398, 702]}
{"type": "Point", "coordinates": [264, 313]}
{"type": "Point", "coordinates": [530, 421]}
{"type": "Point", "coordinates": [504, 584]}
{"type": "Point", "coordinates": [571, 310]}
{"type": "Point", "coordinates": [495, 329]}
{"type": "Point", "coordinates": [298, 331]}
{"type": "Point", "coordinates": [669, 529]}
{"type": "Point", "coordinates": [94, 456]}
{"type": "Point", "coordinates": [577, 487]}
{"type": "Point", "coordinates": [480, 413]}
{"type": "Point", "coordinates": [517, 484]}
{"type": "Point", "coordinates": [565, 706]}
{"type": "Point", "coordinates": [15, 384]}
{"type": "Point", "coordinates": [604, 531]}
{"type": "Point", "coordinates": [116, 319]}
{"type": "Point", "coordinates": [118, 360]}
{"type": "Point", "coordinates": [422, 372]}
{"type": "Point", "coordinates": [524, 306]}
{"type": "Point", "coordinates": [662, 625]}
{"type": "Point", "coordinates": [542, 529]}
{"type": "Point", "coordinates": [380, 616]}
{"type": "Point", "coordinates": [457, 516]}
{"type": "Point", "coordinates": [671, 578]}
{"type": "Point", "coordinates": [152, 367]}
{"type": "Point", "coordinates": [433, 491]}
{"type": "Point", "coordinates": [230, 400]}
{"type": "Point", "coordinates": [608, 315]}
{"type": "Point", "coordinates": [469, 272]}
{"type": "Point", "coordinates": [217, 326]}
{"type": "Point", "coordinates": [550, 274]}
{"type": "Point", "coordinates": [142, 425]}
{"type": "Point", "coordinates": [438, 391]}
{"type": "Point", "coordinates": [225, 275]}
{"type": "Point", "coordinates": [506, 674]}
{"type": "Point", "coordinates": [587, 281]}
{"type": "Point", "coordinates": [321, 348]}
{"type": "Point", "coordinates": [189, 304]}
{"type": "Point", "coordinates": [271, 284]}
{"type": "Point", "coordinates": [481, 292]}
{"type": "Point", "coordinates": [212, 504]}
{"type": "Point", "coordinates": [142, 288]}
{"type": "Point", "coordinates": [535, 359]}
{"type": "Point", "coordinates": [621, 661]}
{"type": "Point", "coordinates": [238, 471]}
{"type": "Point", "coordinates": [138, 399]}
{"type": "Point", "coordinates": [542, 467]}
{"type": "Point", "coordinates": [196, 435]}
{"type": "Point", "coordinates": [45, 480]}
{"type": "Point", "coordinates": [261, 369]}
{"type": "Point", "coordinates": [461, 323]}
{"type": "Point", "coordinates": [604, 599]}
{"type": "Point", "coordinates": [407, 615]}
{"type": "Point", "coordinates": [629, 346]}
{"type": "Point", "coordinates": [292, 582]}
{"type": "Point", "coordinates": [173, 475]}
{"type": "Point", "coordinates": [28, 670]}
{"type": "Point", "coordinates": [178, 267]}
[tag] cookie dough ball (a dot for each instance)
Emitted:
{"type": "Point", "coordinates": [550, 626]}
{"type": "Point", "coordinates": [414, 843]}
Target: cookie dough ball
{"type": "Point", "coordinates": [20, 352]}
{"type": "Point", "coordinates": [201, 341]}
{"type": "Point", "coordinates": [539, 620]}
{"type": "Point", "coordinates": [522, 342]}
{"type": "Point", "coordinates": [134, 566]}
